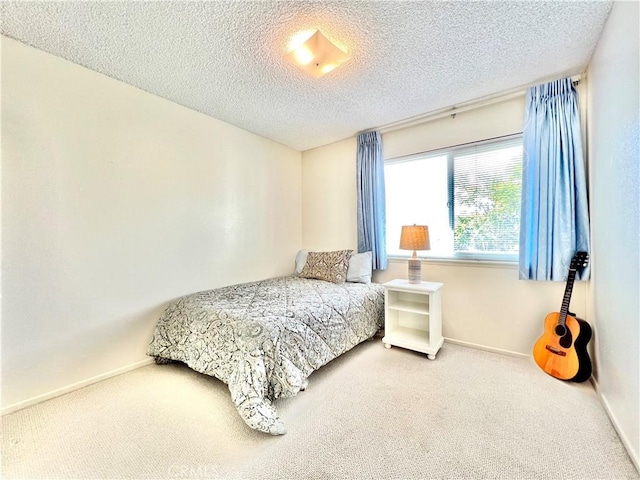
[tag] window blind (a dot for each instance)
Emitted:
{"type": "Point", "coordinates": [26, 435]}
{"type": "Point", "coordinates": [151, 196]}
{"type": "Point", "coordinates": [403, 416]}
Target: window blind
{"type": "Point", "coordinates": [485, 185]}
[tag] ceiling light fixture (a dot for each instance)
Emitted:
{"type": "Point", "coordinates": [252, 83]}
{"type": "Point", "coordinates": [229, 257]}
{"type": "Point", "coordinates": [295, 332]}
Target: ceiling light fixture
{"type": "Point", "coordinates": [317, 55]}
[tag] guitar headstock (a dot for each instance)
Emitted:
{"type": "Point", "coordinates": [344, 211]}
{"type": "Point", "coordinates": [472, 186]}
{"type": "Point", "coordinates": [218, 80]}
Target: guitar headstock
{"type": "Point", "coordinates": [579, 260]}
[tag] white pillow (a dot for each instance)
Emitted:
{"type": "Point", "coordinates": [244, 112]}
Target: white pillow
{"type": "Point", "coordinates": [301, 259]}
{"type": "Point", "coordinates": [360, 266]}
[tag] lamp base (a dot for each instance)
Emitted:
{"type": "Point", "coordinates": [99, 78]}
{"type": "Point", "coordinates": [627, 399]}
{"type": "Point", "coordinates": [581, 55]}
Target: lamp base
{"type": "Point", "coordinates": [415, 270]}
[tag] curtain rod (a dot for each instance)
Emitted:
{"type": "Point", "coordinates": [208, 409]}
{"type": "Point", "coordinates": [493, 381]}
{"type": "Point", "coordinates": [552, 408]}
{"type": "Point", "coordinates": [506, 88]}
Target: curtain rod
{"type": "Point", "coordinates": [462, 107]}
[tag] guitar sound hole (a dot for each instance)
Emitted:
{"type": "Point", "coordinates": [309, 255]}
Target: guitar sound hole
{"type": "Point", "coordinates": [566, 339]}
{"type": "Point", "coordinates": [561, 330]}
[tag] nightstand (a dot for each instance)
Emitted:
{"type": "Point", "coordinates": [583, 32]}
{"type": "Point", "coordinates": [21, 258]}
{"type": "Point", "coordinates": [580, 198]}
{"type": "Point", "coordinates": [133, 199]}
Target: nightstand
{"type": "Point", "coordinates": [413, 316]}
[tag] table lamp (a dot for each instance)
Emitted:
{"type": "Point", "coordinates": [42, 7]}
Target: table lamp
{"type": "Point", "coordinates": [415, 237]}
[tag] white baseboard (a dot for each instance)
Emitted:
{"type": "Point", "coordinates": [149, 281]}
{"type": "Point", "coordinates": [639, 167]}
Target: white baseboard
{"type": "Point", "coordinates": [477, 346]}
{"type": "Point", "coordinates": [623, 438]}
{"type": "Point", "coordinates": [74, 386]}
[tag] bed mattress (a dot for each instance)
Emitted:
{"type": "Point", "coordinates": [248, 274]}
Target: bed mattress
{"type": "Point", "coordinates": [263, 339]}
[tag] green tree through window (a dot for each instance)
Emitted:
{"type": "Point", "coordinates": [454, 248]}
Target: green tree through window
{"type": "Point", "coordinates": [468, 195]}
{"type": "Point", "coordinates": [488, 212]}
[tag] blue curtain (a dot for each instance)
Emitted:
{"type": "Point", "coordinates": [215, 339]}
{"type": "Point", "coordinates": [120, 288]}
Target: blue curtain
{"type": "Point", "coordinates": [554, 221]}
{"type": "Point", "coordinates": [371, 201]}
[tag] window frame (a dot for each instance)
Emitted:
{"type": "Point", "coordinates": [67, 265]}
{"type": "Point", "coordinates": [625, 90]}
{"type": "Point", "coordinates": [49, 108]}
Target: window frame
{"type": "Point", "coordinates": [449, 152]}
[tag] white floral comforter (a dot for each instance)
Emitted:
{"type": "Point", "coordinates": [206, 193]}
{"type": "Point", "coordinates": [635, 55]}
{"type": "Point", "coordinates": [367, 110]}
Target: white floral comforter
{"type": "Point", "coordinates": [263, 339]}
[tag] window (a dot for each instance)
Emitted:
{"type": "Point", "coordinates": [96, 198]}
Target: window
{"type": "Point", "coordinates": [469, 196]}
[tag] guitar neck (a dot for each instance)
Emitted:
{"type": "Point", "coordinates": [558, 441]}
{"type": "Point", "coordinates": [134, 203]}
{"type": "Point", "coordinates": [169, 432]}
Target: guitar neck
{"type": "Point", "coordinates": [566, 300]}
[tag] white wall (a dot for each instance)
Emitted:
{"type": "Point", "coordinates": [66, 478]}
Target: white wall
{"type": "Point", "coordinates": [484, 305]}
{"type": "Point", "coordinates": [115, 201]}
{"type": "Point", "coordinates": [329, 197]}
{"type": "Point", "coordinates": [614, 134]}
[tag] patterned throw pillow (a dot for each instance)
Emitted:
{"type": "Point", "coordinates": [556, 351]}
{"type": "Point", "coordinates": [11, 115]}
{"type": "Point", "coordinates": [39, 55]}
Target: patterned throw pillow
{"type": "Point", "coordinates": [328, 266]}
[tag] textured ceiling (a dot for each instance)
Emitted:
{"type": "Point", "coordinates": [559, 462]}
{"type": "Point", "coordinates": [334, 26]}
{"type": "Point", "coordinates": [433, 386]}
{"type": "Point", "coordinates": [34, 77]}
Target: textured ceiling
{"type": "Point", "coordinates": [225, 59]}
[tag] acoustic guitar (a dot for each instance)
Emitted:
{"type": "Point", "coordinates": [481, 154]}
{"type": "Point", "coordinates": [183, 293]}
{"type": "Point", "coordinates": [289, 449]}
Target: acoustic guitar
{"type": "Point", "coordinates": [561, 351]}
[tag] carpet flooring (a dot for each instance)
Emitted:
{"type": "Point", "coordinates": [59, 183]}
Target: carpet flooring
{"type": "Point", "coordinates": [372, 413]}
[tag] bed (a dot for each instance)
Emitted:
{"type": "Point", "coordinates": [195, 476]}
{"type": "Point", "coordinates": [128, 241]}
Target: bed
{"type": "Point", "coordinates": [263, 339]}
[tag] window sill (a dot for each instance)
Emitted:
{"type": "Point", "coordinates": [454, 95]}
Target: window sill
{"type": "Point", "coordinates": [461, 262]}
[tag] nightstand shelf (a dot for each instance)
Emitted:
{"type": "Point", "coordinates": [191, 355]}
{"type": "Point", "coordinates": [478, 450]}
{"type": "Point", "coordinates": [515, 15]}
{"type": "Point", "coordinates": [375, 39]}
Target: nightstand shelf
{"type": "Point", "coordinates": [413, 316]}
{"type": "Point", "coordinates": [409, 306]}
